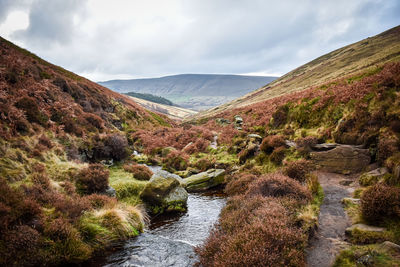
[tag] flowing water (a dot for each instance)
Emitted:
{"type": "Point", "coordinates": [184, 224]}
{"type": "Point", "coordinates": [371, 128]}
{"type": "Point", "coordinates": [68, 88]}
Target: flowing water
{"type": "Point", "coordinates": [170, 239]}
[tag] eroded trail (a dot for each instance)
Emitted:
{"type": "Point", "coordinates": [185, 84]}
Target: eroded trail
{"type": "Point", "coordinates": [333, 220]}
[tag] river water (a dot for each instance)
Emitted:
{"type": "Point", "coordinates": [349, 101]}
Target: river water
{"type": "Point", "coordinates": [170, 239]}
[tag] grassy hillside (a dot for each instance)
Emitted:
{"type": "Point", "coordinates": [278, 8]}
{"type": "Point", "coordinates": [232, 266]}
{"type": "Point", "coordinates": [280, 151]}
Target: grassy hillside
{"type": "Point", "coordinates": [55, 127]}
{"type": "Point", "coordinates": [152, 98]}
{"type": "Point", "coordinates": [349, 60]}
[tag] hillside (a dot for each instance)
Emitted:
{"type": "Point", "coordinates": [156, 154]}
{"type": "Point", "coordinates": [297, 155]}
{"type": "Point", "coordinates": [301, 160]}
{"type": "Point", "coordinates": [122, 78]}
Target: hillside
{"type": "Point", "coordinates": [193, 91]}
{"type": "Point", "coordinates": [151, 98]}
{"type": "Point", "coordinates": [345, 61]}
{"type": "Point", "coordinates": [56, 203]}
{"type": "Point", "coordinates": [173, 112]}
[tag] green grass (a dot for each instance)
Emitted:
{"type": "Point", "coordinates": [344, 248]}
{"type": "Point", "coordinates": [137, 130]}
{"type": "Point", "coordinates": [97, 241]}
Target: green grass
{"type": "Point", "coordinates": [357, 256]}
{"type": "Point", "coordinates": [127, 188]}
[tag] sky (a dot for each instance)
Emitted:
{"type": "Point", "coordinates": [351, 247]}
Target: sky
{"type": "Point", "coordinates": [121, 39]}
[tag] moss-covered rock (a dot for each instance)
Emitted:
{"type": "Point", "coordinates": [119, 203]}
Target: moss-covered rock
{"type": "Point", "coordinates": [204, 180]}
{"type": "Point", "coordinates": [164, 194]}
{"type": "Point", "coordinates": [372, 177]}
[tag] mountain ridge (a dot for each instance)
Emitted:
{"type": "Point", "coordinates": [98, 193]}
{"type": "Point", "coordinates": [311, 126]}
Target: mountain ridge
{"type": "Point", "coordinates": [196, 91]}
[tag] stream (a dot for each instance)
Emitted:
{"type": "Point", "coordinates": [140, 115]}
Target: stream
{"type": "Point", "coordinates": [170, 239]}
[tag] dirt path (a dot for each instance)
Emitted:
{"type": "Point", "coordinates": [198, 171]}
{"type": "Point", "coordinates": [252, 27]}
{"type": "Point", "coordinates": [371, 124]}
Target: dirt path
{"type": "Point", "coordinates": [333, 220]}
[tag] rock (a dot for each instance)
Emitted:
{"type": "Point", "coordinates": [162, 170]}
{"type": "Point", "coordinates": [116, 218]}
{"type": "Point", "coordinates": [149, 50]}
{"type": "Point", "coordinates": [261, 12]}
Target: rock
{"type": "Point", "coordinates": [110, 192]}
{"type": "Point", "coordinates": [238, 122]}
{"type": "Point", "coordinates": [350, 200]}
{"type": "Point", "coordinates": [107, 163]}
{"type": "Point", "coordinates": [166, 174]}
{"type": "Point", "coordinates": [342, 159]}
{"type": "Point", "coordinates": [214, 143]}
{"type": "Point", "coordinates": [372, 177]}
{"type": "Point", "coordinates": [364, 228]}
{"type": "Point", "coordinates": [289, 143]}
{"type": "Point", "coordinates": [238, 119]}
{"type": "Point", "coordinates": [324, 146]}
{"type": "Point", "coordinates": [204, 180]}
{"type": "Point", "coordinates": [346, 182]}
{"type": "Point", "coordinates": [222, 121]}
{"type": "Point", "coordinates": [390, 246]}
{"type": "Point", "coordinates": [254, 136]}
{"type": "Point", "coordinates": [164, 193]}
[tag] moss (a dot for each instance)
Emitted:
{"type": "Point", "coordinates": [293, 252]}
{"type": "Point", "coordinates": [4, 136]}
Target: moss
{"type": "Point", "coordinates": [127, 188]}
{"type": "Point", "coordinates": [359, 236]}
{"type": "Point", "coordinates": [159, 119]}
{"type": "Point", "coordinates": [176, 206]}
{"type": "Point", "coordinates": [371, 255]}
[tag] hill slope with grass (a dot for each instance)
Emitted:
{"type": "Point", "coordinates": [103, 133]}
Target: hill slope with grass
{"type": "Point", "coordinates": [345, 61]}
{"type": "Point", "coordinates": [56, 206]}
{"type": "Point", "coordinates": [193, 91]}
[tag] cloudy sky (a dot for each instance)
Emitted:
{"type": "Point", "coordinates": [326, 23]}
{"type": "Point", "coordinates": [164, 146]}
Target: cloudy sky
{"type": "Point", "coordinates": [103, 39]}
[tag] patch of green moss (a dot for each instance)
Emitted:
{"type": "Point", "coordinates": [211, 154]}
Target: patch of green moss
{"type": "Point", "coordinates": [159, 119]}
{"type": "Point", "coordinates": [370, 255]}
{"type": "Point", "coordinates": [127, 188]}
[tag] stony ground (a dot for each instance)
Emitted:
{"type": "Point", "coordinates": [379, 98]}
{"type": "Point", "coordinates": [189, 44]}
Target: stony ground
{"type": "Point", "coordinates": [333, 220]}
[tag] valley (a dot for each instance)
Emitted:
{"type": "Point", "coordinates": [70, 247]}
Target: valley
{"type": "Point", "coordinates": [302, 171]}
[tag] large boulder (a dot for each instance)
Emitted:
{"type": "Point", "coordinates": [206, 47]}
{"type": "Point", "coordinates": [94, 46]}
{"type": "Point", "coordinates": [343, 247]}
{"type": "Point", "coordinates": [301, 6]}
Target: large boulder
{"type": "Point", "coordinates": [204, 180]}
{"type": "Point", "coordinates": [342, 159]}
{"type": "Point", "coordinates": [164, 194]}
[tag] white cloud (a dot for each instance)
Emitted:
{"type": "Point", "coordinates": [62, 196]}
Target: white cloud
{"type": "Point", "coordinates": [104, 39]}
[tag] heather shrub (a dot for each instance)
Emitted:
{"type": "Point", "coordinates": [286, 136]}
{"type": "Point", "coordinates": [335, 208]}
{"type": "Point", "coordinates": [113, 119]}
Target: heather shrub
{"type": "Point", "coordinates": [298, 169]}
{"type": "Point", "coordinates": [271, 142]}
{"type": "Point", "coordinates": [380, 201]}
{"type": "Point", "coordinates": [100, 201]}
{"type": "Point", "coordinates": [117, 146]}
{"type": "Point", "coordinates": [175, 161]}
{"type": "Point", "coordinates": [253, 232]}
{"type": "Point", "coordinates": [387, 146]}
{"type": "Point", "coordinates": [71, 207]}
{"type": "Point", "coordinates": [204, 164]}
{"type": "Point", "coordinates": [139, 172]}
{"type": "Point", "coordinates": [278, 155]}
{"type": "Point", "coordinates": [20, 246]}
{"type": "Point", "coordinates": [92, 179]}
{"type": "Point", "coordinates": [305, 144]}
{"type": "Point", "coordinates": [278, 185]}
{"type": "Point", "coordinates": [32, 111]}
{"type": "Point", "coordinates": [94, 120]}
{"type": "Point", "coordinates": [247, 152]}
{"type": "Point", "coordinates": [15, 208]}
{"type": "Point", "coordinates": [45, 141]}
{"type": "Point", "coordinates": [239, 183]}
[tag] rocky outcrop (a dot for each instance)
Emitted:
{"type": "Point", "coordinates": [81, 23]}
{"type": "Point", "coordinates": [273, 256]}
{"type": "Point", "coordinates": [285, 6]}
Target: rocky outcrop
{"type": "Point", "coordinates": [344, 159]}
{"type": "Point", "coordinates": [204, 180]}
{"type": "Point", "coordinates": [164, 193]}
{"type": "Point", "coordinates": [238, 122]}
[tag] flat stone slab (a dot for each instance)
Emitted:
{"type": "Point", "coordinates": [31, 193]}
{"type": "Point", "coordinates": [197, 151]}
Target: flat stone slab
{"type": "Point", "coordinates": [365, 228]}
{"type": "Point", "coordinates": [204, 180]}
{"type": "Point", "coordinates": [355, 201]}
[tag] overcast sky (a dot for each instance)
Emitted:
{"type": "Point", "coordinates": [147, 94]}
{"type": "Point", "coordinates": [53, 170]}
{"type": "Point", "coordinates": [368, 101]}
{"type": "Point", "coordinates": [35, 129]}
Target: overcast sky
{"type": "Point", "coordinates": [103, 39]}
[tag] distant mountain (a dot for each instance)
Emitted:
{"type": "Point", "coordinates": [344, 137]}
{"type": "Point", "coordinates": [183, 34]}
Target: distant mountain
{"type": "Point", "coordinates": [195, 91]}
